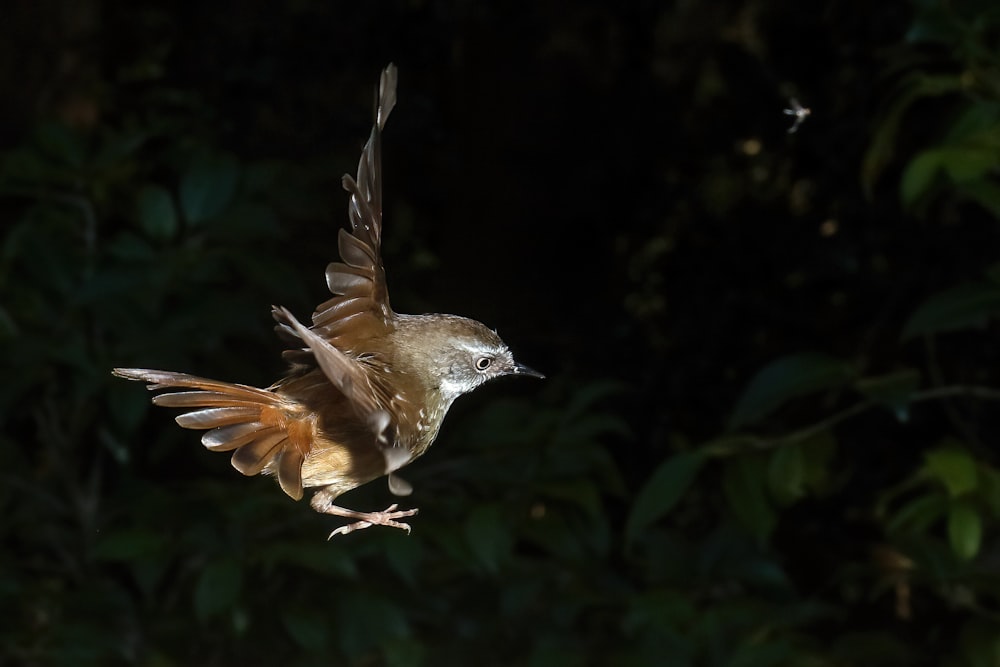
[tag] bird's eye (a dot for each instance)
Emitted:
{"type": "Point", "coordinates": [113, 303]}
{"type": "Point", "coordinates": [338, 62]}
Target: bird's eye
{"type": "Point", "coordinates": [482, 363]}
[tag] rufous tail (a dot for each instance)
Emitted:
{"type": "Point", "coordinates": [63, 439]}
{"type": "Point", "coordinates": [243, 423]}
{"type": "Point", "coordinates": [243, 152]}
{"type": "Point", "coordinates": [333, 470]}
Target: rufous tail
{"type": "Point", "coordinates": [266, 432]}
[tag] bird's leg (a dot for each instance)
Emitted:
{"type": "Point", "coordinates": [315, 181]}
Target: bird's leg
{"type": "Point", "coordinates": [323, 502]}
{"type": "Point", "coordinates": [386, 517]}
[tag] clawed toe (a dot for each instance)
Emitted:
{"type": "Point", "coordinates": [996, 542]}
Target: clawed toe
{"type": "Point", "coordinates": [386, 517]}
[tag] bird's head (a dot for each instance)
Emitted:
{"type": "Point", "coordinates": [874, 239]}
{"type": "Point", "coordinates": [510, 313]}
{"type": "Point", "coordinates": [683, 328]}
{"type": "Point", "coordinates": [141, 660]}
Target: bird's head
{"type": "Point", "coordinates": [460, 354]}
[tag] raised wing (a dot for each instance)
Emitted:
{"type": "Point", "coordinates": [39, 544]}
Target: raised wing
{"type": "Point", "coordinates": [347, 330]}
{"type": "Point", "coordinates": [361, 308]}
{"type": "Point", "coordinates": [354, 379]}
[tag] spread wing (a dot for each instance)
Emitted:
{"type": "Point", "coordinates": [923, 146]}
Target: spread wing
{"type": "Point", "coordinates": [359, 310]}
{"type": "Point", "coordinates": [273, 433]}
{"type": "Point", "coordinates": [339, 341]}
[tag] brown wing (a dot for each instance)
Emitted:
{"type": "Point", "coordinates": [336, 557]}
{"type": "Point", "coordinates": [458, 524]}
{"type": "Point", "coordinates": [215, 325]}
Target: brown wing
{"type": "Point", "coordinates": [392, 418]}
{"type": "Point", "coordinates": [356, 380]}
{"type": "Point", "coordinates": [344, 327]}
{"type": "Point", "coordinates": [265, 431]}
{"type": "Point", "coordinates": [360, 309]}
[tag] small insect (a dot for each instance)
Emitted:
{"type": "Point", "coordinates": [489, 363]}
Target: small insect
{"type": "Point", "coordinates": [800, 112]}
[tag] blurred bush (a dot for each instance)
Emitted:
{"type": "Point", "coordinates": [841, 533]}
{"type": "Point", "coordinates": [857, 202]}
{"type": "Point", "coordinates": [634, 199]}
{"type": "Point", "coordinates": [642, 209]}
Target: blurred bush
{"type": "Point", "coordinates": [782, 459]}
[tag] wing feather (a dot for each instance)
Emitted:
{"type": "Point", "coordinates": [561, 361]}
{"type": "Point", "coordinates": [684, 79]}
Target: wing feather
{"type": "Point", "coordinates": [359, 278]}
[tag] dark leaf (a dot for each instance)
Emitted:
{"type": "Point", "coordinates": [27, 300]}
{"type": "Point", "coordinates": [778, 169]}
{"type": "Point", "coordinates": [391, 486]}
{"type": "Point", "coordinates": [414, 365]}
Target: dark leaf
{"type": "Point", "coordinates": [308, 628]}
{"type": "Point", "coordinates": [786, 474]}
{"type": "Point", "coordinates": [218, 587]}
{"type": "Point", "coordinates": [953, 310]}
{"type": "Point", "coordinates": [917, 515]}
{"type": "Point", "coordinates": [488, 536]}
{"type": "Point", "coordinates": [893, 390]}
{"type": "Point", "coordinates": [662, 491]}
{"type": "Point", "coordinates": [743, 482]}
{"type": "Point", "coordinates": [953, 467]}
{"type": "Point", "coordinates": [156, 212]}
{"type": "Point", "coordinates": [207, 187]}
{"type": "Point", "coordinates": [918, 177]}
{"type": "Point", "coordinates": [965, 529]}
{"type": "Point", "coordinates": [784, 379]}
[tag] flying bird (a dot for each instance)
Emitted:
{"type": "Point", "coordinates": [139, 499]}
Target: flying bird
{"type": "Point", "coordinates": [367, 388]}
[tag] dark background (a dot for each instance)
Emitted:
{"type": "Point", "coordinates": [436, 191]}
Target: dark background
{"type": "Point", "coordinates": [768, 434]}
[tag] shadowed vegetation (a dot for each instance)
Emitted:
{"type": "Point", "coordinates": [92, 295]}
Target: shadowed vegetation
{"type": "Point", "coordinates": [769, 431]}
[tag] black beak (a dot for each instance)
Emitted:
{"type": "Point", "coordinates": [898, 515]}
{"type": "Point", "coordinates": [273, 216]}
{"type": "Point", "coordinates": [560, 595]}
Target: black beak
{"type": "Point", "coordinates": [521, 369]}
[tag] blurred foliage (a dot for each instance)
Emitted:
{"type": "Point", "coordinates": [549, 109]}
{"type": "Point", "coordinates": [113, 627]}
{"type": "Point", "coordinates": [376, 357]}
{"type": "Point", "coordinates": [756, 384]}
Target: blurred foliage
{"type": "Point", "coordinates": [769, 436]}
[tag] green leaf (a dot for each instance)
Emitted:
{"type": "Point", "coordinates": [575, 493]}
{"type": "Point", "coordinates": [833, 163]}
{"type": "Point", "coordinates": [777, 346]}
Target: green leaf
{"type": "Point", "coordinates": [743, 484]}
{"type": "Point", "coordinates": [218, 587]}
{"type": "Point", "coordinates": [61, 143]}
{"type": "Point", "coordinates": [911, 89]}
{"type": "Point", "coordinates": [980, 643]}
{"type": "Point", "coordinates": [968, 163]}
{"type": "Point", "coordinates": [762, 573]}
{"type": "Point", "coordinates": [817, 454]}
{"type": "Point", "coordinates": [979, 120]}
{"type": "Point", "coordinates": [587, 396]}
{"type": "Point", "coordinates": [786, 474]}
{"type": "Point", "coordinates": [488, 536]}
{"type": "Point", "coordinates": [403, 555]}
{"type": "Point", "coordinates": [934, 22]}
{"type": "Point", "coordinates": [128, 545]}
{"type": "Point", "coordinates": [127, 408]}
{"type": "Point", "coordinates": [157, 214]}
{"type": "Point", "coordinates": [130, 247]}
{"type": "Point", "coordinates": [893, 390]}
{"type": "Point", "coordinates": [658, 609]}
{"type": "Point", "coordinates": [404, 652]}
{"type": "Point", "coordinates": [953, 310]}
{"type": "Point", "coordinates": [308, 628]}
{"type": "Point", "coordinates": [917, 515]}
{"type": "Point", "coordinates": [309, 555]}
{"type": "Point", "coordinates": [989, 489]}
{"type": "Point", "coordinates": [984, 192]}
{"type": "Point", "coordinates": [953, 467]}
{"type": "Point", "coordinates": [875, 647]}
{"type": "Point", "coordinates": [784, 379]}
{"type": "Point", "coordinates": [918, 177]}
{"type": "Point", "coordinates": [662, 491]}
{"type": "Point", "coordinates": [207, 187]}
{"type": "Point", "coordinates": [366, 621]}
{"type": "Point", "coordinates": [965, 530]}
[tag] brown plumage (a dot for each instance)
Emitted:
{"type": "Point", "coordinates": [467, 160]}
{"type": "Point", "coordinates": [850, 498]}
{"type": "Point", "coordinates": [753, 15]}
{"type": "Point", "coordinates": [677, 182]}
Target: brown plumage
{"type": "Point", "coordinates": [368, 387]}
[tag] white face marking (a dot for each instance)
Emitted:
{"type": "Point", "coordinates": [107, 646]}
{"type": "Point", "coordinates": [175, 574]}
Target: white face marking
{"type": "Point", "coordinates": [452, 389]}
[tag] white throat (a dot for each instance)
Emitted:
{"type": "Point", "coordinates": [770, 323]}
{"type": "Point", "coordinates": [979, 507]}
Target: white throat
{"type": "Point", "coordinates": [451, 389]}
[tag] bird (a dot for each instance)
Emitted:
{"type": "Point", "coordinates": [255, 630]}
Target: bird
{"type": "Point", "coordinates": [366, 389]}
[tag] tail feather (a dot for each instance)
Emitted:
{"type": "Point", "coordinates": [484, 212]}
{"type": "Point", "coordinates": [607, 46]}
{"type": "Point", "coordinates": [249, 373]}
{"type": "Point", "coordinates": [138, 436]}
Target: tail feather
{"type": "Point", "coordinates": [226, 438]}
{"type": "Point", "coordinates": [265, 431]}
{"type": "Point", "coordinates": [251, 458]}
{"type": "Point", "coordinates": [289, 469]}
{"type": "Point", "coordinates": [198, 399]}
{"type": "Point", "coordinates": [215, 417]}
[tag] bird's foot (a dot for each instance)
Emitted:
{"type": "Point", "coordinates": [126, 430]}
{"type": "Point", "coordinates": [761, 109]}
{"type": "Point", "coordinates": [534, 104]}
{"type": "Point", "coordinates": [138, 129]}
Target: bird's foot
{"type": "Point", "coordinates": [386, 517]}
